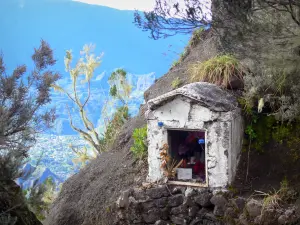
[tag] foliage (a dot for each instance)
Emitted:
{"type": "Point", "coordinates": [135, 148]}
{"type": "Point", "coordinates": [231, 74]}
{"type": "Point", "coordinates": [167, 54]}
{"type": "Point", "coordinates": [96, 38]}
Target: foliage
{"type": "Point", "coordinates": [275, 93]}
{"type": "Point", "coordinates": [169, 18]}
{"type": "Point", "coordinates": [181, 17]}
{"type": "Point", "coordinates": [262, 129]}
{"type": "Point", "coordinates": [119, 95]}
{"type": "Point", "coordinates": [83, 155]}
{"type": "Point", "coordinates": [176, 82]}
{"type": "Point", "coordinates": [84, 72]}
{"type": "Point", "coordinates": [113, 128]}
{"type": "Point", "coordinates": [218, 70]}
{"type": "Point", "coordinates": [175, 63]}
{"type": "Point", "coordinates": [7, 219]}
{"type": "Point", "coordinates": [22, 98]}
{"type": "Point", "coordinates": [40, 197]}
{"type": "Point", "coordinates": [120, 89]}
{"type": "Point", "coordinates": [169, 165]}
{"type": "Point", "coordinates": [139, 147]}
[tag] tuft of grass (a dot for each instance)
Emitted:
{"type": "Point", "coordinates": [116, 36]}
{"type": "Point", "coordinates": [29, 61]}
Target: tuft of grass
{"type": "Point", "coordinates": [175, 63]}
{"type": "Point", "coordinates": [276, 199]}
{"type": "Point", "coordinates": [176, 83]}
{"type": "Point", "coordinates": [196, 37]}
{"type": "Point", "coordinates": [139, 147]}
{"type": "Point", "coordinates": [218, 70]}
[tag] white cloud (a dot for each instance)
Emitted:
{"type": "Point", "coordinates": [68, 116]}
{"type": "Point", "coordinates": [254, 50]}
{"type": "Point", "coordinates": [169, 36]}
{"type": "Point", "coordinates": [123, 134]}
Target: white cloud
{"type": "Point", "coordinates": [144, 5]}
{"type": "Point", "coordinates": [22, 4]}
{"type": "Point", "coordinates": [100, 76]}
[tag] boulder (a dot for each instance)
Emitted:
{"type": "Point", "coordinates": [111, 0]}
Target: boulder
{"type": "Point", "coordinates": [175, 200]}
{"type": "Point", "coordinates": [204, 199]}
{"type": "Point", "coordinates": [161, 222]}
{"type": "Point", "coordinates": [123, 200]}
{"type": "Point", "coordinates": [193, 211]}
{"type": "Point", "coordinates": [158, 192]}
{"type": "Point", "coordinates": [254, 208]}
{"type": "Point", "coordinates": [179, 210]}
{"type": "Point", "coordinates": [162, 202]}
{"type": "Point", "coordinates": [179, 220]}
{"type": "Point", "coordinates": [238, 203]}
{"type": "Point", "coordinates": [151, 216]}
{"type": "Point", "coordinates": [220, 203]}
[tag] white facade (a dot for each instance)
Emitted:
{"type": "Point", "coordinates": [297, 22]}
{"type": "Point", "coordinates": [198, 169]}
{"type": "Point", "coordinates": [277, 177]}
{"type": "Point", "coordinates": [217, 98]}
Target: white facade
{"type": "Point", "coordinates": [202, 107]}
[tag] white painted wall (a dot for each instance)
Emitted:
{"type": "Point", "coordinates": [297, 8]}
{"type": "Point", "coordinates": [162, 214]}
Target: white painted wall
{"type": "Point", "coordinates": [223, 137]}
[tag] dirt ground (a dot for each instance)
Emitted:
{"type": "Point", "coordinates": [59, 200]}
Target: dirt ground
{"type": "Point", "coordinates": [86, 197]}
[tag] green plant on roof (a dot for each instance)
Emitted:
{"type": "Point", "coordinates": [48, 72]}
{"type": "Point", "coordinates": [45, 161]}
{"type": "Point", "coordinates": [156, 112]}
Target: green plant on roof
{"type": "Point", "coordinates": [176, 83]}
{"type": "Point", "coordinates": [218, 70]}
{"type": "Point", "coordinates": [139, 147]}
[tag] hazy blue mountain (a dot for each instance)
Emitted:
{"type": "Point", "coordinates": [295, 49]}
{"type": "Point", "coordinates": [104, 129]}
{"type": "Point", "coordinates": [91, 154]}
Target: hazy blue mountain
{"type": "Point", "coordinates": [36, 177]}
{"type": "Point", "coordinates": [69, 25]}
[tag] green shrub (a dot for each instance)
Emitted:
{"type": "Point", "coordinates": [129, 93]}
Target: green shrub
{"type": "Point", "coordinates": [7, 219]}
{"type": "Point", "coordinates": [114, 127]}
{"type": "Point", "coordinates": [139, 147]}
{"type": "Point", "coordinates": [218, 70]}
{"type": "Point", "coordinates": [275, 92]}
{"type": "Point", "coordinates": [176, 83]}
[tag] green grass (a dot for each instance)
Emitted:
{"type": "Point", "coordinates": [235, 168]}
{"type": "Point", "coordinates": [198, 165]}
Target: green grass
{"type": "Point", "coordinates": [176, 83]}
{"type": "Point", "coordinates": [218, 70]}
{"type": "Point", "coordinates": [175, 63]}
{"type": "Point", "coordinates": [196, 37]}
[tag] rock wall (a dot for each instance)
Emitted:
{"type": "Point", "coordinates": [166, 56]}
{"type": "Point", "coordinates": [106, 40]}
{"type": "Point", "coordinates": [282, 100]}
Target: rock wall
{"type": "Point", "coordinates": [167, 205]}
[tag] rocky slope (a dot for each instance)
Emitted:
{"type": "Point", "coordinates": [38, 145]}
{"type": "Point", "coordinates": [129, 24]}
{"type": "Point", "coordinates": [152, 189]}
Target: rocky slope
{"type": "Point", "coordinates": [88, 198]}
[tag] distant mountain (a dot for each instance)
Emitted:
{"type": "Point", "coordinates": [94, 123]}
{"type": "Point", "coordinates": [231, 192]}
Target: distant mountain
{"type": "Point", "coordinates": [69, 25]}
{"type": "Point", "coordinates": [33, 177]}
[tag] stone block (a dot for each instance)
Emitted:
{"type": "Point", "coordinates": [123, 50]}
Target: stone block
{"type": "Point", "coordinates": [139, 194]}
{"type": "Point", "coordinates": [239, 203]}
{"type": "Point", "coordinates": [175, 200]}
{"type": "Point", "coordinates": [189, 202]}
{"type": "Point", "coordinates": [162, 202]}
{"type": "Point", "coordinates": [193, 211]}
{"type": "Point", "coordinates": [151, 216]}
{"type": "Point", "coordinates": [179, 220]}
{"type": "Point", "coordinates": [219, 200]}
{"type": "Point", "coordinates": [161, 222]}
{"type": "Point", "coordinates": [219, 210]}
{"type": "Point", "coordinates": [179, 210]}
{"type": "Point", "coordinates": [190, 192]}
{"type": "Point", "coordinates": [148, 205]}
{"type": "Point", "coordinates": [157, 192]}
{"type": "Point", "coordinates": [178, 190]}
{"type": "Point", "coordinates": [203, 199]}
{"type": "Point", "coordinates": [164, 213]}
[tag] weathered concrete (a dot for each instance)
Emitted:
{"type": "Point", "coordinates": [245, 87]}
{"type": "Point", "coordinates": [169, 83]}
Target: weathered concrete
{"type": "Point", "coordinates": [204, 107]}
